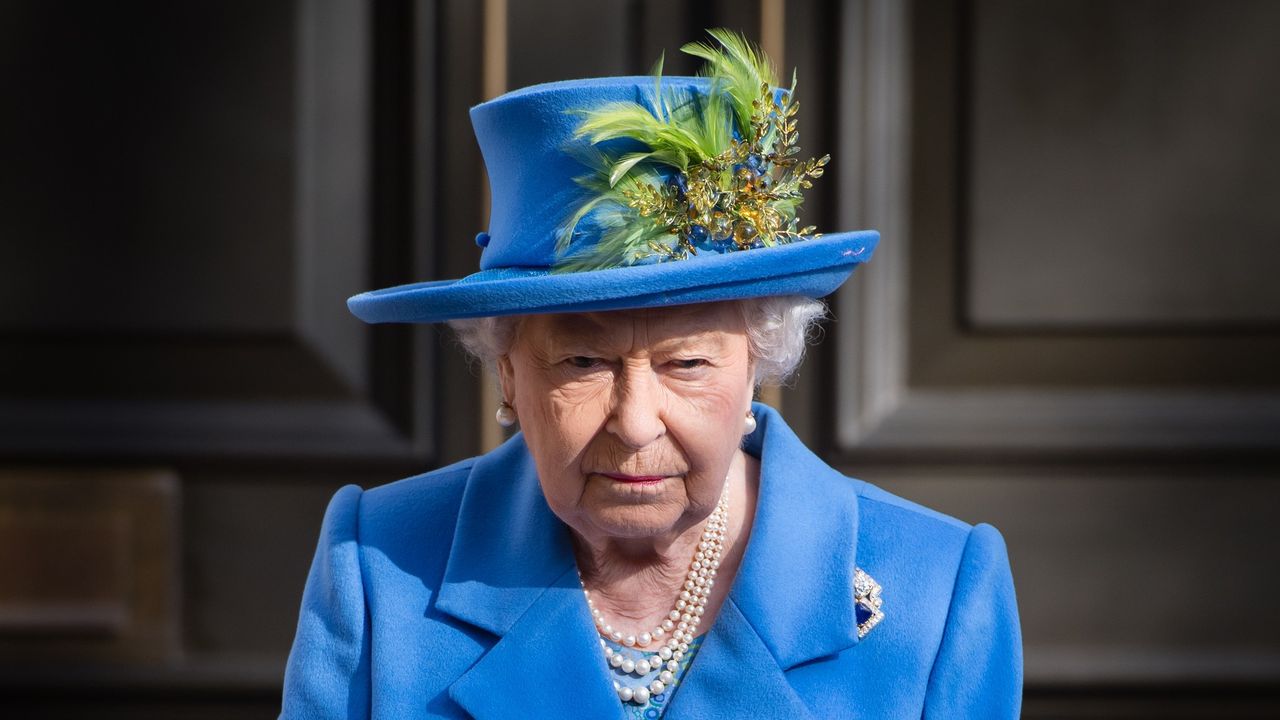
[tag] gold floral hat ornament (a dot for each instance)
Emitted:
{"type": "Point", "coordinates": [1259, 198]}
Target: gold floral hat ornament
{"type": "Point", "coordinates": [716, 171]}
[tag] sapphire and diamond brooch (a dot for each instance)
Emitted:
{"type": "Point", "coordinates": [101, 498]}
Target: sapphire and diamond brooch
{"type": "Point", "coordinates": [867, 602]}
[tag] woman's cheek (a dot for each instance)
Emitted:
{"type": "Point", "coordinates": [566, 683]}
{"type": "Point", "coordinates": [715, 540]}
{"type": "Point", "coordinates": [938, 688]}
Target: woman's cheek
{"type": "Point", "coordinates": [580, 407]}
{"type": "Point", "coordinates": [582, 389]}
{"type": "Point", "coordinates": [709, 399]}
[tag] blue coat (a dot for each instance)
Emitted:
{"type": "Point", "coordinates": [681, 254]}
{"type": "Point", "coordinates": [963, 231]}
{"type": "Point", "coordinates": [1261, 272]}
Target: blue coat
{"type": "Point", "coordinates": [454, 594]}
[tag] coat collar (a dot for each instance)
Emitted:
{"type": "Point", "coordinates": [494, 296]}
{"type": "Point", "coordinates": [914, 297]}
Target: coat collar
{"type": "Point", "coordinates": [508, 547]}
{"type": "Point", "coordinates": [804, 538]}
{"type": "Point", "coordinates": [511, 572]}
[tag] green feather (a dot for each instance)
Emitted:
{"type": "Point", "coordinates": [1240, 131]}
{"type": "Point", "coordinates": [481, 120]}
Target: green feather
{"type": "Point", "coordinates": [659, 103]}
{"type": "Point", "coordinates": [743, 69]}
{"type": "Point", "coordinates": [623, 237]}
{"type": "Point", "coordinates": [623, 234]}
{"type": "Point", "coordinates": [631, 121]}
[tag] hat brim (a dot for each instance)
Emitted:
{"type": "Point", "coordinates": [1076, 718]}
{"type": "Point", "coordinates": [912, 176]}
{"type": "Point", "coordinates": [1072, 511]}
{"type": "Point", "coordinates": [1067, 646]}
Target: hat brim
{"type": "Point", "coordinates": [813, 268]}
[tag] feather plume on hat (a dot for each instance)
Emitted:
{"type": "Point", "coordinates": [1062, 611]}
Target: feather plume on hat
{"type": "Point", "coordinates": [713, 173]}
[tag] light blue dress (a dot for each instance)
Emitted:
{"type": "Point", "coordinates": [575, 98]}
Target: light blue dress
{"type": "Point", "coordinates": [657, 705]}
{"type": "Point", "coordinates": [455, 594]}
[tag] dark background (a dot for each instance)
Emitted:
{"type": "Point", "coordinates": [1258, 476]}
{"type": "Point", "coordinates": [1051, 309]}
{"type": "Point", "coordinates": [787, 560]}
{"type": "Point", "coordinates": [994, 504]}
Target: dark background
{"type": "Point", "coordinates": [1071, 328]}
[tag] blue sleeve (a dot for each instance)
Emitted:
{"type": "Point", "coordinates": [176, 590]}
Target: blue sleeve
{"type": "Point", "coordinates": [978, 670]}
{"type": "Point", "coordinates": [327, 676]}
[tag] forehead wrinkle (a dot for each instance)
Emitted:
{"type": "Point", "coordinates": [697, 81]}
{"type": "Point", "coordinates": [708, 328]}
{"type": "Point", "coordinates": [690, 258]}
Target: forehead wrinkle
{"type": "Point", "coordinates": [704, 339]}
{"type": "Point", "coordinates": [688, 319]}
{"type": "Point", "coordinates": [596, 330]}
{"type": "Point", "coordinates": [700, 326]}
{"type": "Point", "coordinates": [648, 329]}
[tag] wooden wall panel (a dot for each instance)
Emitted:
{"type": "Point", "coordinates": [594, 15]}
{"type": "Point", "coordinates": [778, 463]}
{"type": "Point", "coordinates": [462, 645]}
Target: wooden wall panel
{"type": "Point", "coordinates": [1149, 572]}
{"type": "Point", "coordinates": [1124, 443]}
{"type": "Point", "coordinates": [569, 43]}
{"type": "Point", "coordinates": [917, 372]}
{"type": "Point", "coordinates": [198, 190]}
{"type": "Point", "coordinates": [1123, 164]}
{"type": "Point", "coordinates": [90, 567]}
{"type": "Point", "coordinates": [191, 212]}
{"type": "Point", "coordinates": [138, 188]}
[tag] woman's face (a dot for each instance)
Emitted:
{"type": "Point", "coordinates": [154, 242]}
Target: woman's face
{"type": "Point", "coordinates": [632, 417]}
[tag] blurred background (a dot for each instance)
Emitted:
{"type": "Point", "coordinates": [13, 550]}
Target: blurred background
{"type": "Point", "coordinates": [1070, 330]}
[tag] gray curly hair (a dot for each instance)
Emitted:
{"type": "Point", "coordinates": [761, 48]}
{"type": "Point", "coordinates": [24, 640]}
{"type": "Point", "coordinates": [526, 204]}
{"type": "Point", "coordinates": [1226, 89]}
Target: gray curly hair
{"type": "Point", "coordinates": [778, 330]}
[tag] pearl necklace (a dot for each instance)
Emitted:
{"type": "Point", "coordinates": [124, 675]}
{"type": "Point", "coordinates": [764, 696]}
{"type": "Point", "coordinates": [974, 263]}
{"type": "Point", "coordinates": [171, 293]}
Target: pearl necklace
{"type": "Point", "coordinates": [681, 622]}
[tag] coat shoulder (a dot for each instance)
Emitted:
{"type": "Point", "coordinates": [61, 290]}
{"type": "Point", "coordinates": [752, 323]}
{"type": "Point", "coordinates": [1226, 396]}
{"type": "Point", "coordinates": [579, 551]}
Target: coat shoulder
{"type": "Point", "coordinates": [916, 554]}
{"type": "Point", "coordinates": [890, 525]}
{"type": "Point", "coordinates": [410, 522]}
{"type": "Point", "coordinates": [878, 505]}
{"type": "Point", "coordinates": [437, 489]}
{"type": "Point", "coordinates": [905, 534]}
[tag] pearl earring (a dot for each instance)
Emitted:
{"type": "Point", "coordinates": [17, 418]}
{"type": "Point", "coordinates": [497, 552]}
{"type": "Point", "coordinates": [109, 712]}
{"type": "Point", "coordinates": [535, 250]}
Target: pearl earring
{"type": "Point", "coordinates": [749, 425]}
{"type": "Point", "coordinates": [506, 415]}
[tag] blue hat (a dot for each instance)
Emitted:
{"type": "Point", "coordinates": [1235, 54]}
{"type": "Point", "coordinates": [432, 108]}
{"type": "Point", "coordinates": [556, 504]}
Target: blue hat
{"type": "Point", "coordinates": [635, 192]}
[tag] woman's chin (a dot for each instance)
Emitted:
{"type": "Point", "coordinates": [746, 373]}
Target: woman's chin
{"type": "Point", "coordinates": [635, 510]}
{"type": "Point", "coordinates": [634, 520]}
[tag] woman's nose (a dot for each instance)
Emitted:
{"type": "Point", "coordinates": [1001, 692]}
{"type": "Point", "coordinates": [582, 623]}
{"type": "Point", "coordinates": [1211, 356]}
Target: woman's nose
{"type": "Point", "coordinates": [636, 419]}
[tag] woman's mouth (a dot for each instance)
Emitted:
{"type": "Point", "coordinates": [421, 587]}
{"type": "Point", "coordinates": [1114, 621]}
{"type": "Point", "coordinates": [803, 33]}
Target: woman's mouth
{"type": "Point", "coordinates": [635, 479]}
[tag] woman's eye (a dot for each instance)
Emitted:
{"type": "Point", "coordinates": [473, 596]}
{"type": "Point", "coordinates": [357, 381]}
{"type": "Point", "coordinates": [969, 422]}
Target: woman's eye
{"type": "Point", "coordinates": [582, 362]}
{"type": "Point", "coordinates": [689, 364]}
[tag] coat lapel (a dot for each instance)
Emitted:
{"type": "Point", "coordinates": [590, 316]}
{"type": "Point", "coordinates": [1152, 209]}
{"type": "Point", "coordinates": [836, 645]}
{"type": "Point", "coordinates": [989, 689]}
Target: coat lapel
{"type": "Point", "coordinates": [792, 600]}
{"type": "Point", "coordinates": [508, 547]}
{"type": "Point", "coordinates": [735, 675]}
{"type": "Point", "coordinates": [548, 664]}
{"type": "Point", "coordinates": [511, 572]}
{"type": "Point", "coordinates": [795, 585]}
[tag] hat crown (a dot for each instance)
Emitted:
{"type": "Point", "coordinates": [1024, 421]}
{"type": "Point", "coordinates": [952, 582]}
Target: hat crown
{"type": "Point", "coordinates": [526, 138]}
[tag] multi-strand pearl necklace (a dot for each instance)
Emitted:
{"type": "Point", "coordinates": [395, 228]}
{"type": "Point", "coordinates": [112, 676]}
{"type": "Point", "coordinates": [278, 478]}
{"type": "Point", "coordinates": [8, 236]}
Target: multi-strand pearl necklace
{"type": "Point", "coordinates": [681, 623]}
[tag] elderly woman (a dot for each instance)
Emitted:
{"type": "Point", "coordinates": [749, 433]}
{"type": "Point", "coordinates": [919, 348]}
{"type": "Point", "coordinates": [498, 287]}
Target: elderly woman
{"type": "Point", "coordinates": [651, 543]}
